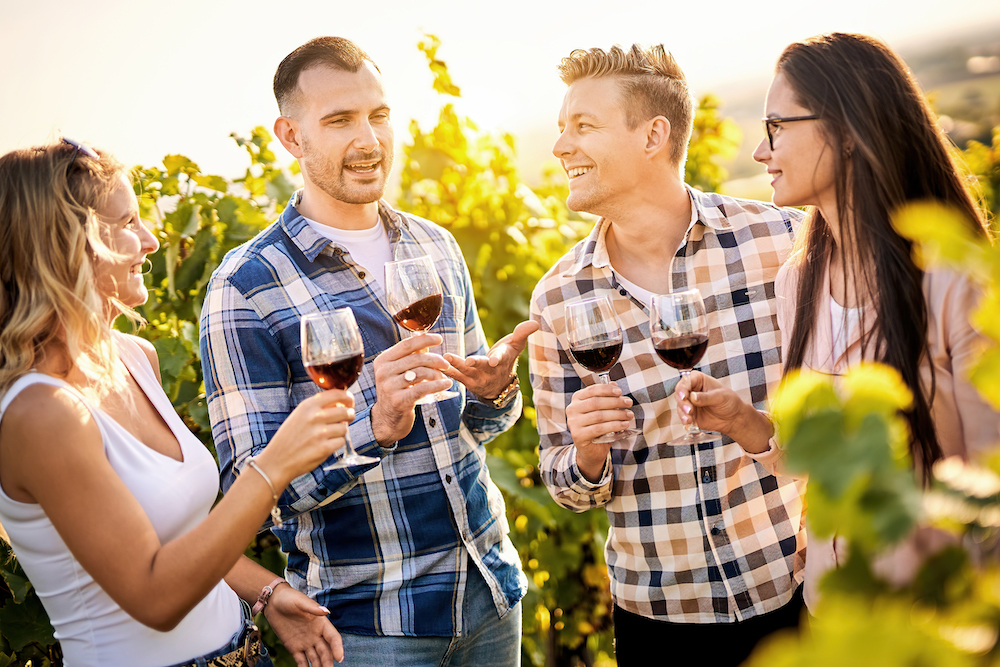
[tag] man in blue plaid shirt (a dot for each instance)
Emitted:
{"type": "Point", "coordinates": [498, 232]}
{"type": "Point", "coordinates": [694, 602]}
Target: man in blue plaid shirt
{"type": "Point", "coordinates": [410, 554]}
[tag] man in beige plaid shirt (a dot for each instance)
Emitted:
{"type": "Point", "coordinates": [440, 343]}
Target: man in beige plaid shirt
{"type": "Point", "coordinates": [706, 548]}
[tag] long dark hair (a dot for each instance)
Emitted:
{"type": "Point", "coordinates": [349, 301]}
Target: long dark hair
{"type": "Point", "coordinates": [888, 151]}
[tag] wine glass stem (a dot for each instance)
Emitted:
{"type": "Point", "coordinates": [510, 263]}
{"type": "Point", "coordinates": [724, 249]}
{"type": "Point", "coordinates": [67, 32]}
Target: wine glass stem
{"type": "Point", "coordinates": [692, 427]}
{"type": "Point", "coordinates": [604, 377]}
{"type": "Point", "coordinates": [348, 447]}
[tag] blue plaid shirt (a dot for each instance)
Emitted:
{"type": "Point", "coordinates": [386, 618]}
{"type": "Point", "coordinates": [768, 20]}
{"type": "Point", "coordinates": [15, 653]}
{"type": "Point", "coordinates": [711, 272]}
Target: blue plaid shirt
{"type": "Point", "coordinates": [386, 547]}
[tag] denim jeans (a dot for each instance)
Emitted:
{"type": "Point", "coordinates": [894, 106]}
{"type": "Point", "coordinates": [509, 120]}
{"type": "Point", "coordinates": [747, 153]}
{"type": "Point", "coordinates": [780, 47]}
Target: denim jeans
{"type": "Point", "coordinates": [237, 640]}
{"type": "Point", "coordinates": [489, 641]}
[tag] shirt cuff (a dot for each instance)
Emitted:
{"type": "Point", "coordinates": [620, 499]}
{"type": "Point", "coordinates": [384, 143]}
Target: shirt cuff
{"type": "Point", "coordinates": [771, 458]}
{"type": "Point", "coordinates": [584, 484]}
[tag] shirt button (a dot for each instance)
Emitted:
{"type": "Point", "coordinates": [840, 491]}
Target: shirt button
{"type": "Point", "coordinates": [707, 477]}
{"type": "Point", "coordinates": [447, 478]}
{"type": "Point", "coordinates": [716, 529]}
{"type": "Point", "coordinates": [432, 421]}
{"type": "Point", "coordinates": [361, 275]}
{"type": "Point", "coordinates": [623, 292]}
{"type": "Point", "coordinates": [337, 251]}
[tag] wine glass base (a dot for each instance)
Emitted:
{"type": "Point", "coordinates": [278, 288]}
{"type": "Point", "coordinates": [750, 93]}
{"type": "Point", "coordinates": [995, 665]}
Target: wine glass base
{"type": "Point", "coordinates": [430, 399]}
{"type": "Point", "coordinates": [352, 460]}
{"type": "Point", "coordinates": [694, 438]}
{"type": "Point", "coordinates": [616, 436]}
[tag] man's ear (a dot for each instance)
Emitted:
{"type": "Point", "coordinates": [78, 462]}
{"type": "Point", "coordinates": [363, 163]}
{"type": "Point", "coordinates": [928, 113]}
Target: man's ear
{"type": "Point", "coordinates": [286, 129]}
{"type": "Point", "coordinates": [658, 135]}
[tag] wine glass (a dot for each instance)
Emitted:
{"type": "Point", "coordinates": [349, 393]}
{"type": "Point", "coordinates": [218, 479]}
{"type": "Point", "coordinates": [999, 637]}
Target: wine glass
{"type": "Point", "coordinates": [415, 298]}
{"type": "Point", "coordinates": [595, 341]}
{"type": "Point", "coordinates": [678, 326]}
{"type": "Point", "coordinates": [334, 355]}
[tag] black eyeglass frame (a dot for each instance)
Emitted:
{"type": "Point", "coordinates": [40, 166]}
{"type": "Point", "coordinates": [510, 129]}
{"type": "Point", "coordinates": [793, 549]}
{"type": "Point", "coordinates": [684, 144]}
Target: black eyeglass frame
{"type": "Point", "coordinates": [778, 121]}
{"type": "Point", "coordinates": [80, 148]}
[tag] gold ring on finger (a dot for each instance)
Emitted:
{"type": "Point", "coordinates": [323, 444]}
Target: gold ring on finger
{"type": "Point", "coordinates": [409, 376]}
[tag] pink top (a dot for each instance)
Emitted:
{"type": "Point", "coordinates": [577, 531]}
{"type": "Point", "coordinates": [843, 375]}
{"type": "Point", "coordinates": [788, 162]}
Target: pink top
{"type": "Point", "coordinates": [965, 424]}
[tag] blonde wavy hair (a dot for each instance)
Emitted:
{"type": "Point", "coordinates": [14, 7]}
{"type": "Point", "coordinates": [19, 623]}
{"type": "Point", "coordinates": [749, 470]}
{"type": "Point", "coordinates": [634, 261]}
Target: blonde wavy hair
{"type": "Point", "coordinates": [50, 241]}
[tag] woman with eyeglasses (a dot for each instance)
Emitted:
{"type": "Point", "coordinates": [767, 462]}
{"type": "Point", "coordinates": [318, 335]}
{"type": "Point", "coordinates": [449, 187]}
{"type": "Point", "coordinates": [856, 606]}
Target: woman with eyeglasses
{"type": "Point", "coordinates": [850, 136]}
{"type": "Point", "coordinates": [105, 494]}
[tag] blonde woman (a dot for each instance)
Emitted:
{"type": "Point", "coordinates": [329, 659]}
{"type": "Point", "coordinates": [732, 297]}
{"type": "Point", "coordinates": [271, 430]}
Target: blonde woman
{"type": "Point", "coordinates": [105, 495]}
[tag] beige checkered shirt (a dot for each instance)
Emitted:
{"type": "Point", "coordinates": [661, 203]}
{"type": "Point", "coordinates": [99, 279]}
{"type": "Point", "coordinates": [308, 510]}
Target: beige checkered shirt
{"type": "Point", "coordinates": [699, 534]}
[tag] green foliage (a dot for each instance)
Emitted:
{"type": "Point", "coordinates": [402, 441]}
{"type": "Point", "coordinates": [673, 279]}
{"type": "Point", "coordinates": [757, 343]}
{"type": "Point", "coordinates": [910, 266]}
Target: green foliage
{"type": "Point", "coordinates": [983, 163]}
{"type": "Point", "coordinates": [25, 631]}
{"type": "Point", "coordinates": [854, 447]}
{"type": "Point", "coordinates": [198, 218]}
{"type": "Point", "coordinates": [714, 139]}
{"type": "Point", "coordinates": [853, 632]}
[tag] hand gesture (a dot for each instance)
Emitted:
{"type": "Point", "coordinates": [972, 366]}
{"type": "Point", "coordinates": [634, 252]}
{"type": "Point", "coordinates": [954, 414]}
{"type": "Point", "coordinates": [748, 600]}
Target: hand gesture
{"type": "Point", "coordinates": [487, 375]}
{"type": "Point", "coordinates": [303, 627]}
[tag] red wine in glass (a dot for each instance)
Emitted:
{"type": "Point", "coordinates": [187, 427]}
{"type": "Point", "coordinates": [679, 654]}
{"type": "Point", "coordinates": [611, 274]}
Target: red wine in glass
{"type": "Point", "coordinates": [416, 298]}
{"type": "Point", "coordinates": [421, 315]}
{"type": "Point", "coordinates": [683, 352]}
{"type": "Point", "coordinates": [337, 374]}
{"type": "Point", "coordinates": [598, 359]}
{"type": "Point", "coordinates": [595, 341]}
{"type": "Point", "coordinates": [333, 354]}
{"type": "Point", "coordinates": [678, 326]}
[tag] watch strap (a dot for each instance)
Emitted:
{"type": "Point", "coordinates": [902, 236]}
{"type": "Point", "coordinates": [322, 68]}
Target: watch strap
{"type": "Point", "coordinates": [508, 393]}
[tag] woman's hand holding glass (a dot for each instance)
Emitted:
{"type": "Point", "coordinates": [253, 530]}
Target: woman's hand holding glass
{"type": "Point", "coordinates": [334, 356]}
{"type": "Point", "coordinates": [678, 325]}
{"type": "Point", "coordinates": [718, 408]}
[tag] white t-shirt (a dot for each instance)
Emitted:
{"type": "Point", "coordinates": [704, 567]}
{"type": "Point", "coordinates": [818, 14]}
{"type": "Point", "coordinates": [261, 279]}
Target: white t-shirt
{"type": "Point", "coordinates": [368, 248]}
{"type": "Point", "coordinates": [176, 495]}
{"type": "Point", "coordinates": [845, 322]}
{"type": "Point", "coordinates": [641, 294]}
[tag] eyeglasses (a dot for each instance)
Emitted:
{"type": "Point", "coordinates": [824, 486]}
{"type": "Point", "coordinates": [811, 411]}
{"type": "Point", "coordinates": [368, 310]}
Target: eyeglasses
{"type": "Point", "coordinates": [80, 148]}
{"type": "Point", "coordinates": [769, 122]}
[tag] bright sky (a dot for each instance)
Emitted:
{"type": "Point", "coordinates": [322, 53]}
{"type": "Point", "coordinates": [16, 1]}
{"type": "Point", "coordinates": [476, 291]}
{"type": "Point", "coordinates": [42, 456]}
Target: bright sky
{"type": "Point", "coordinates": [144, 79]}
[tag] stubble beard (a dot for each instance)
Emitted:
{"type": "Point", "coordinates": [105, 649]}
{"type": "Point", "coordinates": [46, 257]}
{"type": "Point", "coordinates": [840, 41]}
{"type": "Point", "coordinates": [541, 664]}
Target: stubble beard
{"type": "Point", "coordinates": [330, 178]}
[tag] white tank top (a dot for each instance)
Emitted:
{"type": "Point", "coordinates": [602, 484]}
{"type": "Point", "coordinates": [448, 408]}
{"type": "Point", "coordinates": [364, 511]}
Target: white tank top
{"type": "Point", "coordinates": [91, 627]}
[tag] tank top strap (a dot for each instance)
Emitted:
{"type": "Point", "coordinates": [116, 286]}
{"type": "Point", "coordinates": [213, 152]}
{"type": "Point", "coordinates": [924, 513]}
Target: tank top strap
{"type": "Point", "coordinates": [34, 377]}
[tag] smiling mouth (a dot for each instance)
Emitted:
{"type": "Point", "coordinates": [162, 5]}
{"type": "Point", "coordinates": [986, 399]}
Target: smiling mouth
{"type": "Point", "coordinates": [363, 167]}
{"type": "Point", "coordinates": [577, 171]}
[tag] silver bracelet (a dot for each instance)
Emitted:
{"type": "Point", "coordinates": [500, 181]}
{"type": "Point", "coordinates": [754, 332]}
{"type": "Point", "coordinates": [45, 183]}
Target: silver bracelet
{"type": "Point", "coordinates": [275, 512]}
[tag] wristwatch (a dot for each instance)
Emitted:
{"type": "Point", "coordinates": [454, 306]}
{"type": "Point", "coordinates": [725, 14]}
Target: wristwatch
{"type": "Point", "coordinates": [508, 394]}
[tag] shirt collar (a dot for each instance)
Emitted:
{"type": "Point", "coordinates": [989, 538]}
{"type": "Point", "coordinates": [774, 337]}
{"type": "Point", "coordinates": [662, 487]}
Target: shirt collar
{"type": "Point", "coordinates": [312, 243]}
{"type": "Point", "coordinates": [595, 248]}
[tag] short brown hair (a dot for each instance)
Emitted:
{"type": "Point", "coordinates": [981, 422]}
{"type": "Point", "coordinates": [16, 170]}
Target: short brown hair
{"type": "Point", "coordinates": [651, 82]}
{"type": "Point", "coordinates": [336, 52]}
